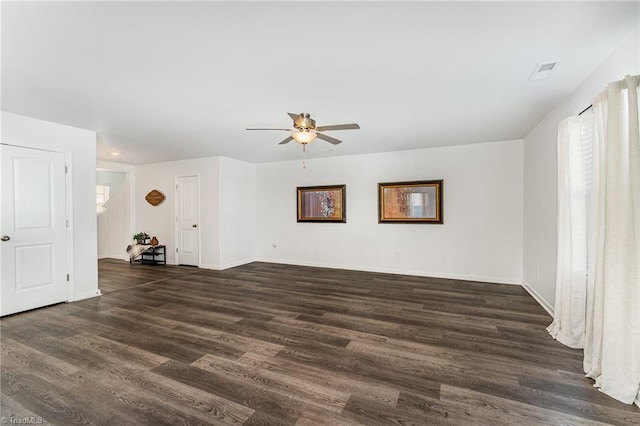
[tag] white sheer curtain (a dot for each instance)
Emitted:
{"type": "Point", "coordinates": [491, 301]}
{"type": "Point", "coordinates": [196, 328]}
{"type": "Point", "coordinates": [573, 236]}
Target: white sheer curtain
{"type": "Point", "coordinates": [612, 339]}
{"type": "Point", "coordinates": [598, 274]}
{"type": "Point", "coordinates": [571, 275]}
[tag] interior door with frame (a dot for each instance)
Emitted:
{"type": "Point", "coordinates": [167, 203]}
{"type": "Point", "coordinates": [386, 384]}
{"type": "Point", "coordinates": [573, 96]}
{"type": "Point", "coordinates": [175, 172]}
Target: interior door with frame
{"type": "Point", "coordinates": [187, 220]}
{"type": "Point", "coordinates": [33, 229]}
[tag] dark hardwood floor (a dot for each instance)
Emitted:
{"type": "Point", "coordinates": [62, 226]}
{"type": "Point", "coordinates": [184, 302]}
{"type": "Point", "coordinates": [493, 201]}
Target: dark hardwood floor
{"type": "Point", "coordinates": [277, 344]}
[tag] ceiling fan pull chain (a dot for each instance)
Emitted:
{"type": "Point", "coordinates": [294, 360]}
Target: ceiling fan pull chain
{"type": "Point", "coordinates": [304, 155]}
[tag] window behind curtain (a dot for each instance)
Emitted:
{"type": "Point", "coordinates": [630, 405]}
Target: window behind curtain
{"type": "Point", "coordinates": [586, 120]}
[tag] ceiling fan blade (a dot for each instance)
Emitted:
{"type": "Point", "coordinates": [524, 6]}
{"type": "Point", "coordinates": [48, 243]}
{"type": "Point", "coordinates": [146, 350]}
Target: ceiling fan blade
{"type": "Point", "coordinates": [293, 116]}
{"type": "Point", "coordinates": [338, 127]}
{"type": "Point", "coordinates": [287, 140]}
{"type": "Point", "coordinates": [329, 139]}
{"type": "Point", "coordinates": [269, 128]}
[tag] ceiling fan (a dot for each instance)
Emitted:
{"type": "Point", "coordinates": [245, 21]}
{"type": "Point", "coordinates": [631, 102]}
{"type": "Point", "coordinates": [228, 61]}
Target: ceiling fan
{"type": "Point", "coordinates": [305, 130]}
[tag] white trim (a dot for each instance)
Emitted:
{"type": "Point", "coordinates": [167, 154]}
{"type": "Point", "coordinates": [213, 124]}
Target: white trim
{"type": "Point", "coordinates": [479, 278]}
{"type": "Point", "coordinates": [541, 301]}
{"type": "Point", "coordinates": [176, 230]}
{"type": "Point", "coordinates": [86, 295]}
{"type": "Point", "coordinates": [199, 219]}
{"type": "Point", "coordinates": [114, 256]}
{"type": "Point", "coordinates": [68, 181]}
{"type": "Point", "coordinates": [212, 267]}
{"type": "Point", "coordinates": [131, 178]}
{"type": "Point", "coordinates": [227, 265]}
{"type": "Point", "coordinates": [236, 263]}
{"type": "Point", "coordinates": [219, 219]}
{"type": "Point", "coordinates": [114, 167]}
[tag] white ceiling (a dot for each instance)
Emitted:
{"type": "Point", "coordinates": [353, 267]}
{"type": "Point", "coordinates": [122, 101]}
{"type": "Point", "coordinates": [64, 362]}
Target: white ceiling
{"type": "Point", "coordinates": [167, 81]}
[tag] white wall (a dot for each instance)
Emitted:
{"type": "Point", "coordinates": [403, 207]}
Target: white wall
{"type": "Point", "coordinates": [540, 183]}
{"type": "Point", "coordinates": [227, 208]}
{"type": "Point", "coordinates": [112, 179]}
{"type": "Point", "coordinates": [114, 225]}
{"type": "Point", "coordinates": [481, 238]}
{"type": "Point", "coordinates": [159, 221]}
{"type": "Point", "coordinates": [238, 212]}
{"type": "Point", "coordinates": [79, 145]}
{"type": "Point", "coordinates": [110, 245]}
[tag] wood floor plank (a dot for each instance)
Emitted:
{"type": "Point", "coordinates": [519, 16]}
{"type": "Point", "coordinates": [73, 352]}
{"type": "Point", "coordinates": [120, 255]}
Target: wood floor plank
{"type": "Point", "coordinates": [136, 406]}
{"type": "Point", "coordinates": [236, 389]}
{"type": "Point", "coordinates": [366, 388]}
{"type": "Point", "coordinates": [424, 361]}
{"type": "Point", "coordinates": [198, 313]}
{"type": "Point", "coordinates": [241, 343]}
{"type": "Point", "coordinates": [260, 418]}
{"type": "Point", "coordinates": [270, 344]}
{"type": "Point", "coordinates": [363, 411]}
{"type": "Point", "coordinates": [36, 362]}
{"type": "Point", "coordinates": [402, 376]}
{"type": "Point", "coordinates": [204, 405]}
{"type": "Point", "coordinates": [157, 344]}
{"type": "Point", "coordinates": [491, 410]}
{"type": "Point", "coordinates": [313, 417]}
{"type": "Point", "coordinates": [326, 329]}
{"type": "Point", "coordinates": [57, 406]}
{"type": "Point", "coordinates": [430, 410]}
{"type": "Point", "coordinates": [320, 396]}
{"type": "Point", "coordinates": [12, 409]}
{"type": "Point", "coordinates": [114, 351]}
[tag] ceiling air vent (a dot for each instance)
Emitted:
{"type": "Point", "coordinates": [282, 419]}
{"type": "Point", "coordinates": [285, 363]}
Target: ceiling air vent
{"type": "Point", "coordinates": [543, 71]}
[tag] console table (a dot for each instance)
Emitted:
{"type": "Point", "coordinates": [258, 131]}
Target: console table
{"type": "Point", "coordinates": [156, 255]}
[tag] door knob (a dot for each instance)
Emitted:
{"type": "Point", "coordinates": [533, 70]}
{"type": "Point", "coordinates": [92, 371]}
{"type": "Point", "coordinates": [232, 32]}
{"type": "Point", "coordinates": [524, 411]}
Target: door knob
{"type": "Point", "coordinates": [5, 238]}
{"type": "Point", "coordinates": [194, 226]}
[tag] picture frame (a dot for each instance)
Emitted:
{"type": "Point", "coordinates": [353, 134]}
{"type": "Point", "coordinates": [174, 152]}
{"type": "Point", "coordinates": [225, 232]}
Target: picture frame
{"type": "Point", "coordinates": [411, 202]}
{"type": "Point", "coordinates": [327, 203]}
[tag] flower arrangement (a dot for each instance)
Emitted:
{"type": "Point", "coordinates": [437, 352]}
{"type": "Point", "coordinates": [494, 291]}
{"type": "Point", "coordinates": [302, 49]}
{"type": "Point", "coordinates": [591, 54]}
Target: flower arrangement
{"type": "Point", "coordinates": [141, 237]}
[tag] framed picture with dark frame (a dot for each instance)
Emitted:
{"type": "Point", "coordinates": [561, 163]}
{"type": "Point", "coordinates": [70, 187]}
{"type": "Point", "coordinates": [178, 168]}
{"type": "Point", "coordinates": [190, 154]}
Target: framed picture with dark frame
{"type": "Point", "coordinates": [410, 202]}
{"type": "Point", "coordinates": [322, 203]}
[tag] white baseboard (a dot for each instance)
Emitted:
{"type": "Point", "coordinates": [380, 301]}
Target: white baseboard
{"type": "Point", "coordinates": [226, 265]}
{"type": "Point", "coordinates": [208, 266]}
{"type": "Point", "coordinates": [114, 256]}
{"type": "Point", "coordinates": [541, 301]}
{"type": "Point", "coordinates": [86, 295]}
{"type": "Point", "coordinates": [479, 278]}
{"type": "Point", "coordinates": [237, 263]}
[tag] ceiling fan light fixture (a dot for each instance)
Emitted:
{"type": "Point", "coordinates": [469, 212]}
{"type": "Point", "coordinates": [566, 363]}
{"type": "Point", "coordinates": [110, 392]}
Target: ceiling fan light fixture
{"type": "Point", "coordinates": [304, 136]}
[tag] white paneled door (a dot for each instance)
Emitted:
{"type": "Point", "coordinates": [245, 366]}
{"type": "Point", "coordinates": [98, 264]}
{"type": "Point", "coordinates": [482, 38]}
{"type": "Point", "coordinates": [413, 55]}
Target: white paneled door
{"type": "Point", "coordinates": [34, 245]}
{"type": "Point", "coordinates": [187, 219]}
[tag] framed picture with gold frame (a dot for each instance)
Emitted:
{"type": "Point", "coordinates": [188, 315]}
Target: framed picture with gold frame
{"type": "Point", "coordinates": [322, 203]}
{"type": "Point", "coordinates": [410, 202]}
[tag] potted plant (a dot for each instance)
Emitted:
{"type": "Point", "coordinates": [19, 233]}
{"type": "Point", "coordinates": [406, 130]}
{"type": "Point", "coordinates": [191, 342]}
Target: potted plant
{"type": "Point", "coordinates": [141, 237]}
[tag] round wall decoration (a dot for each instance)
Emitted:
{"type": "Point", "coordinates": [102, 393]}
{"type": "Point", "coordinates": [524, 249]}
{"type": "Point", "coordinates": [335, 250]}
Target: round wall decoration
{"type": "Point", "coordinates": [155, 197]}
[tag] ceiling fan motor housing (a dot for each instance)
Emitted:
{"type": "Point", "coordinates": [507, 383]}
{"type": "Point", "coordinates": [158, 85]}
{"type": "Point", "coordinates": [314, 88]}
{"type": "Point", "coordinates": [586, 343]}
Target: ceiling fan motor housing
{"type": "Point", "coordinates": [304, 122]}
